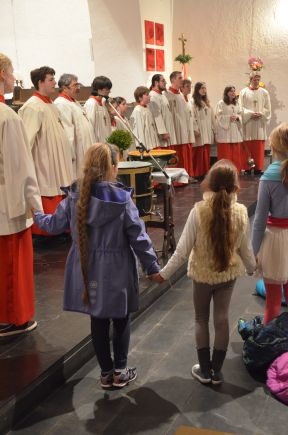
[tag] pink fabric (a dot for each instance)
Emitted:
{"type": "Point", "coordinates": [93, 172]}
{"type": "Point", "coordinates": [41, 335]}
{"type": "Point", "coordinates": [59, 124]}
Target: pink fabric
{"type": "Point", "coordinates": [277, 378]}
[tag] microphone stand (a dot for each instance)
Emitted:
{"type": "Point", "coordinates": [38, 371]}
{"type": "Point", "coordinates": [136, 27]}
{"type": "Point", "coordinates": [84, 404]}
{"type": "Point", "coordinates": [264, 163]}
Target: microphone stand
{"type": "Point", "coordinates": [140, 145]}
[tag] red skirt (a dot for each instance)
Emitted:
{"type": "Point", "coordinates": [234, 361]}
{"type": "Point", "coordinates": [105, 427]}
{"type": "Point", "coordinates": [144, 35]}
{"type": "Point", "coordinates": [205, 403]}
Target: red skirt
{"type": "Point", "coordinates": [16, 278]}
{"type": "Point", "coordinates": [254, 149]}
{"type": "Point", "coordinates": [185, 153]}
{"type": "Point", "coordinates": [50, 203]}
{"type": "Point", "coordinates": [231, 151]}
{"type": "Point", "coordinates": [201, 160]}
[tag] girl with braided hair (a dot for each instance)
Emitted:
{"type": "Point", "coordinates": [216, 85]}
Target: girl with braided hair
{"type": "Point", "coordinates": [216, 243]}
{"type": "Point", "coordinates": [101, 277]}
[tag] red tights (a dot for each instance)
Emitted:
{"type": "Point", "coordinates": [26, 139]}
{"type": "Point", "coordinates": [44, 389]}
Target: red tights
{"type": "Point", "coordinates": [273, 300]}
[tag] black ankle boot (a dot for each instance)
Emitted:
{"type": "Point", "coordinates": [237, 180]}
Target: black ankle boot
{"type": "Point", "coordinates": [218, 358]}
{"type": "Point", "coordinates": [202, 371]}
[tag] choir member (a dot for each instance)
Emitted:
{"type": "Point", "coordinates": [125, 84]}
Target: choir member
{"type": "Point", "coordinates": [161, 111]}
{"type": "Point", "coordinates": [19, 194]}
{"type": "Point", "coordinates": [96, 108]}
{"type": "Point", "coordinates": [142, 121]}
{"type": "Point", "coordinates": [204, 127]}
{"type": "Point", "coordinates": [75, 120]}
{"type": "Point", "coordinates": [122, 108]}
{"type": "Point", "coordinates": [229, 128]}
{"type": "Point", "coordinates": [183, 123]}
{"type": "Point", "coordinates": [256, 113]}
{"type": "Point", "coordinates": [48, 141]}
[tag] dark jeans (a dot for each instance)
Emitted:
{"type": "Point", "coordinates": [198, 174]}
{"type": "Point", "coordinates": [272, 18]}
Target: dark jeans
{"type": "Point", "coordinates": [100, 329]}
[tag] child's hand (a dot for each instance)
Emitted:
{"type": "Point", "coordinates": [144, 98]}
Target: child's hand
{"type": "Point", "coordinates": [156, 277]}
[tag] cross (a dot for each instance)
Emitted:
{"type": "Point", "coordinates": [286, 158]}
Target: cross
{"type": "Point", "coordinates": [183, 40]}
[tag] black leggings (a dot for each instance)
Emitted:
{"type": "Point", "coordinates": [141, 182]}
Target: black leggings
{"type": "Point", "coordinates": [100, 329]}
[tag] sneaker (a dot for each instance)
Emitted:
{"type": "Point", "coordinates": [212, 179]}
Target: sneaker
{"type": "Point", "coordinates": [10, 330]}
{"type": "Point", "coordinates": [217, 377]}
{"type": "Point", "coordinates": [122, 378]}
{"type": "Point", "coordinates": [203, 377]}
{"type": "Point", "coordinates": [106, 379]}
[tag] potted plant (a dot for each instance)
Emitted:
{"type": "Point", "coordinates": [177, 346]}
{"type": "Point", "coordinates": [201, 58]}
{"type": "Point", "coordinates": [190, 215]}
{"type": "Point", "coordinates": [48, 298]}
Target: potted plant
{"type": "Point", "coordinates": [122, 139]}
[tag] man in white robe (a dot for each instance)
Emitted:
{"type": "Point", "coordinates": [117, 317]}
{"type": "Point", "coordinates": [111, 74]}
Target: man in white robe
{"type": "Point", "coordinates": [96, 108]}
{"type": "Point", "coordinates": [78, 128]}
{"type": "Point", "coordinates": [48, 141]}
{"type": "Point", "coordinates": [19, 194]}
{"type": "Point", "coordinates": [256, 114]}
{"type": "Point", "coordinates": [161, 111]}
{"type": "Point", "coordinates": [142, 121]}
{"type": "Point", "coordinates": [183, 123]}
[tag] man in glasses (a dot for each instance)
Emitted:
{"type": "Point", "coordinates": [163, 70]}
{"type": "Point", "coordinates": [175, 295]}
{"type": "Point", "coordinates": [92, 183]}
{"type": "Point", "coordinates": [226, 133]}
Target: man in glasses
{"type": "Point", "coordinates": [75, 120]}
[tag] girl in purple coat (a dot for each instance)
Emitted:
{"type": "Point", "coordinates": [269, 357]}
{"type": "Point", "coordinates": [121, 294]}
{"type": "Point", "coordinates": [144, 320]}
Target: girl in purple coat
{"type": "Point", "coordinates": [101, 277]}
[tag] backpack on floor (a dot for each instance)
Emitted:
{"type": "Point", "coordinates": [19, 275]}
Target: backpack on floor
{"type": "Point", "coordinates": [263, 344]}
{"type": "Point", "coordinates": [277, 378]}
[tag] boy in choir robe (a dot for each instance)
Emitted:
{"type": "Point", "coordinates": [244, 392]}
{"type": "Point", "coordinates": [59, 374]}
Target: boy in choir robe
{"type": "Point", "coordinates": [142, 121]}
{"type": "Point", "coordinates": [96, 108]}
{"type": "Point", "coordinates": [256, 113]}
{"type": "Point", "coordinates": [78, 128]}
{"type": "Point", "coordinates": [122, 109]}
{"type": "Point", "coordinates": [183, 123]}
{"type": "Point", "coordinates": [19, 194]}
{"type": "Point", "coordinates": [48, 141]}
{"type": "Point", "coordinates": [161, 111]}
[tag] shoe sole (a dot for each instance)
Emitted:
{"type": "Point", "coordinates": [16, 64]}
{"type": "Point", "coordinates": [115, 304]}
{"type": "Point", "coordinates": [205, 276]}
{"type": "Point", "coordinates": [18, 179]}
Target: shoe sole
{"type": "Point", "coordinates": [216, 382]}
{"type": "Point", "coordinates": [123, 384]}
{"type": "Point", "coordinates": [19, 332]}
{"type": "Point", "coordinates": [106, 386]}
{"type": "Point", "coordinates": [201, 380]}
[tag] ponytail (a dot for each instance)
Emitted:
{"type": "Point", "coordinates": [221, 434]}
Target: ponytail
{"type": "Point", "coordinates": [284, 171]}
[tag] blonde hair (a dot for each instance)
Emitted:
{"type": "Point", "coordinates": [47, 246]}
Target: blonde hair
{"type": "Point", "coordinates": [98, 164]}
{"type": "Point", "coordinates": [222, 179]}
{"type": "Point", "coordinates": [5, 62]}
{"type": "Point", "coordinates": [279, 142]}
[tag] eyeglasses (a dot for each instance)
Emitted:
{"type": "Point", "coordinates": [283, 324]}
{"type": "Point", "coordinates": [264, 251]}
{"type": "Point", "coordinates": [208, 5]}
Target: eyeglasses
{"type": "Point", "coordinates": [75, 85]}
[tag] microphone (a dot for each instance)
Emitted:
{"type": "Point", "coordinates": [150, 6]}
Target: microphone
{"type": "Point", "coordinates": [96, 94]}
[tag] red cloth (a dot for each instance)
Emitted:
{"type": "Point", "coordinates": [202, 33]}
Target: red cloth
{"type": "Point", "coordinates": [43, 97]}
{"type": "Point", "coordinates": [254, 149]}
{"type": "Point", "coordinates": [157, 91]}
{"type": "Point", "coordinates": [50, 204]}
{"type": "Point", "coordinates": [67, 97]}
{"type": "Point", "coordinates": [277, 222]}
{"type": "Point", "coordinates": [97, 99]}
{"type": "Point", "coordinates": [16, 278]}
{"type": "Point", "coordinates": [185, 157]}
{"type": "Point", "coordinates": [198, 161]}
{"type": "Point", "coordinates": [2, 99]}
{"type": "Point", "coordinates": [175, 91]}
{"type": "Point", "coordinates": [230, 151]}
{"type": "Point", "coordinates": [206, 158]}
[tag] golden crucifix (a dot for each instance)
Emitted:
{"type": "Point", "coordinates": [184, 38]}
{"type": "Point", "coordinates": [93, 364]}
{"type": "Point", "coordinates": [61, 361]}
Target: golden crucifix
{"type": "Point", "coordinates": [183, 40]}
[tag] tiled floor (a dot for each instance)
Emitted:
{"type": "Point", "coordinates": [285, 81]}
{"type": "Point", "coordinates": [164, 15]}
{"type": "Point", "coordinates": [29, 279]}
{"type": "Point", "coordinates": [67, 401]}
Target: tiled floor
{"type": "Point", "coordinates": [165, 396]}
{"type": "Point", "coordinates": [23, 359]}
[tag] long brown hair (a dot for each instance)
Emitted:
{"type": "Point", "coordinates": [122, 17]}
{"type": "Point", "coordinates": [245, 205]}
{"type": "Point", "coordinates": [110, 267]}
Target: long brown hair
{"type": "Point", "coordinates": [199, 99]}
{"type": "Point", "coordinates": [98, 164]}
{"type": "Point", "coordinates": [222, 179]}
{"type": "Point", "coordinates": [279, 142]}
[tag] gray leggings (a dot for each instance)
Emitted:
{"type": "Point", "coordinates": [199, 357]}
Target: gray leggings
{"type": "Point", "coordinates": [202, 295]}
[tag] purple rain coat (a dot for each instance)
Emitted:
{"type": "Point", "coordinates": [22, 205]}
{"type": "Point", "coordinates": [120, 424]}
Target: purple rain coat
{"type": "Point", "coordinates": [116, 235]}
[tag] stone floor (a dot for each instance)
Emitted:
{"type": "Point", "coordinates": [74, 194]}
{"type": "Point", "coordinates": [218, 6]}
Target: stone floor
{"type": "Point", "coordinates": [165, 396]}
{"type": "Point", "coordinates": [24, 359]}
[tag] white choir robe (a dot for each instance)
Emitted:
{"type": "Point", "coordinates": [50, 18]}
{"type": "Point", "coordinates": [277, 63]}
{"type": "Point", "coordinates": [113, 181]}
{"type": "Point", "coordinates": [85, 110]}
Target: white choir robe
{"type": "Point", "coordinates": [204, 125]}
{"type": "Point", "coordinates": [78, 128]}
{"type": "Point", "coordinates": [99, 118]}
{"type": "Point", "coordinates": [228, 131]}
{"type": "Point", "coordinates": [160, 108]}
{"type": "Point", "coordinates": [182, 118]}
{"type": "Point", "coordinates": [19, 191]}
{"type": "Point", "coordinates": [144, 127]}
{"type": "Point", "coordinates": [255, 101]}
{"type": "Point", "coordinates": [49, 144]}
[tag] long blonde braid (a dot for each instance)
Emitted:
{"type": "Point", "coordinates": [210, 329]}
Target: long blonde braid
{"type": "Point", "coordinates": [98, 163]}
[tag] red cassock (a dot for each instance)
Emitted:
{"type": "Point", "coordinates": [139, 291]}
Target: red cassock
{"type": "Point", "coordinates": [16, 278]}
{"type": "Point", "coordinates": [50, 203]}
{"type": "Point", "coordinates": [233, 152]}
{"type": "Point", "coordinates": [254, 149]}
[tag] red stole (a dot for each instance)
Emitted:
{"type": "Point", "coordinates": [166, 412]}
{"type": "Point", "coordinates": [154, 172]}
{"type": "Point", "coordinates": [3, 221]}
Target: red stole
{"type": "Point", "coordinates": [157, 91]}
{"type": "Point", "coordinates": [253, 89]}
{"type": "Point", "coordinates": [67, 97]}
{"type": "Point", "coordinates": [2, 99]}
{"type": "Point", "coordinates": [44, 98]}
